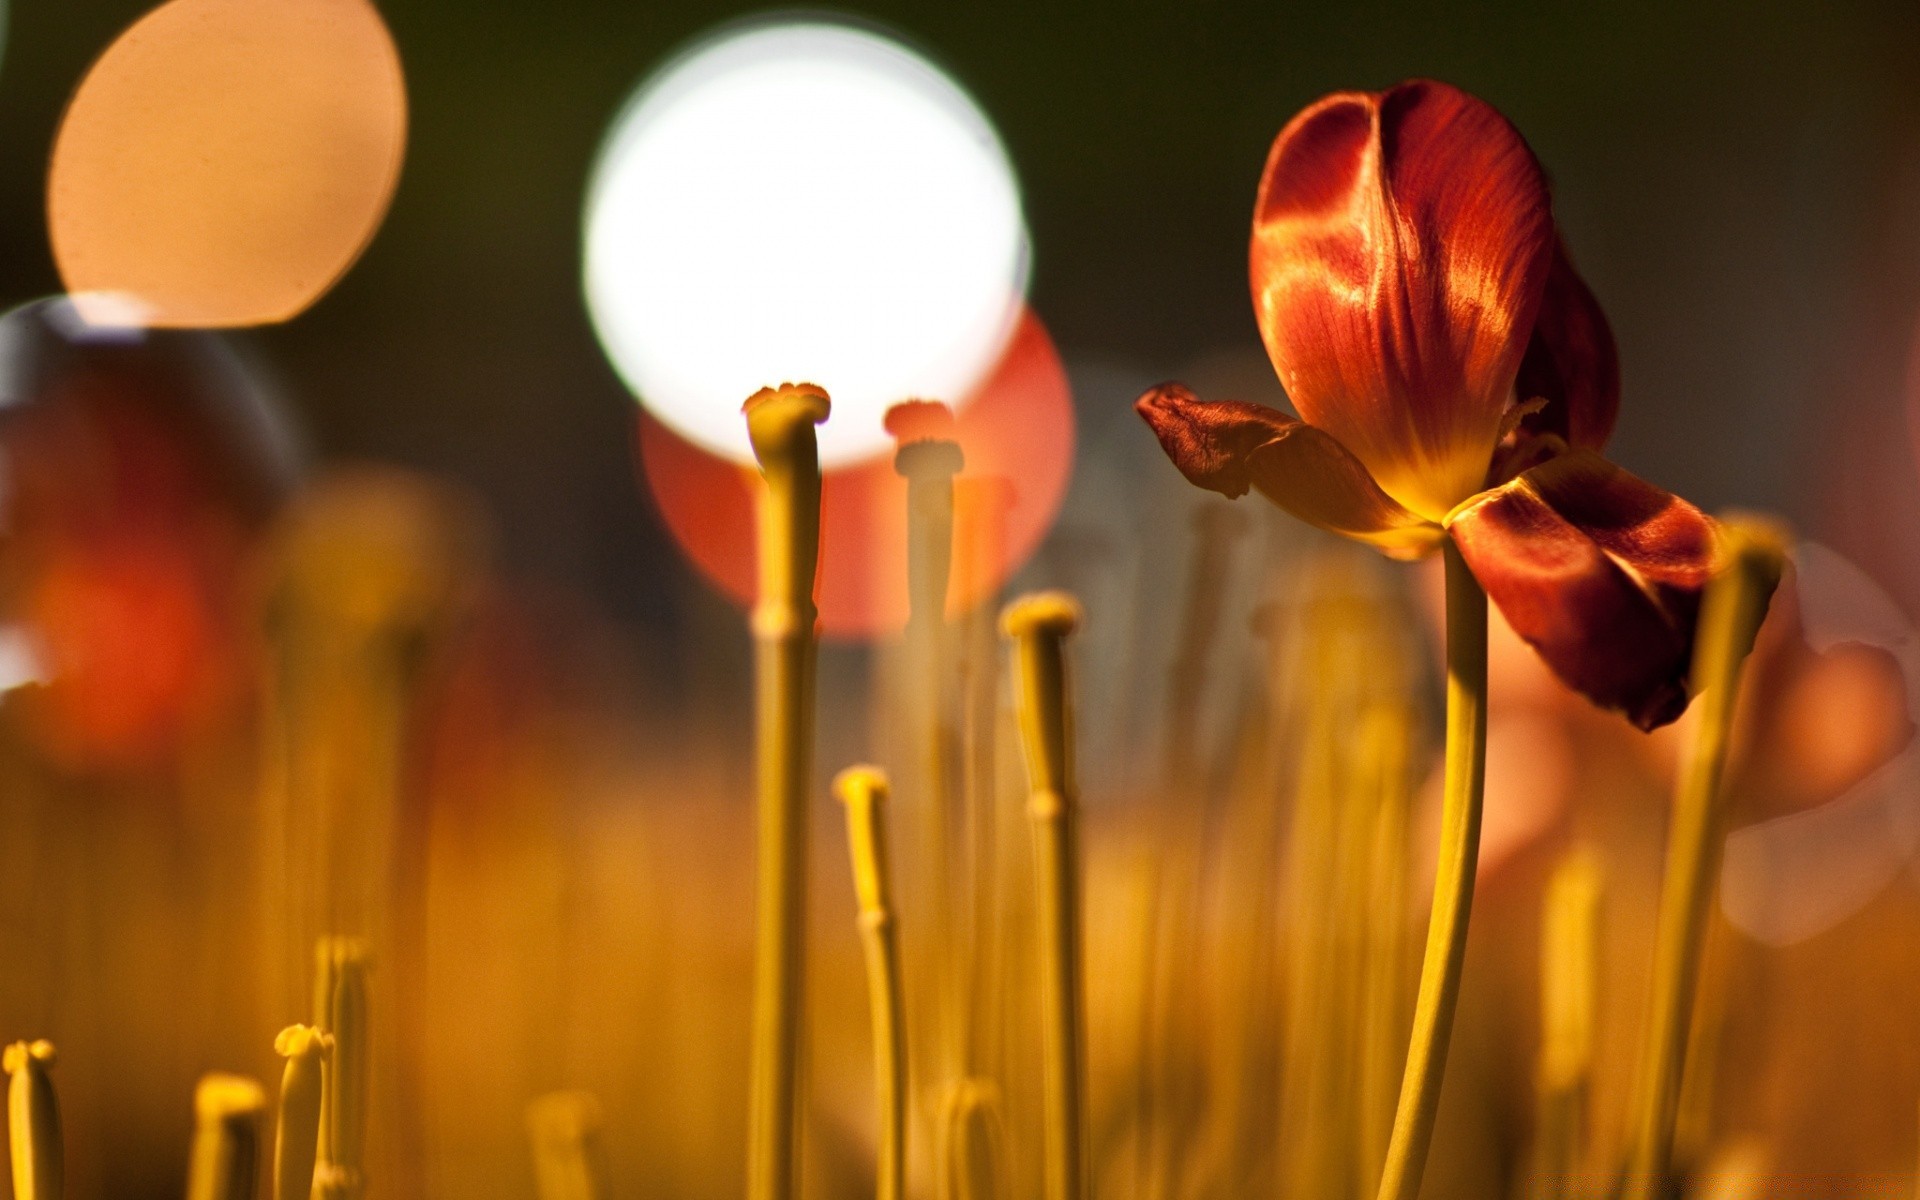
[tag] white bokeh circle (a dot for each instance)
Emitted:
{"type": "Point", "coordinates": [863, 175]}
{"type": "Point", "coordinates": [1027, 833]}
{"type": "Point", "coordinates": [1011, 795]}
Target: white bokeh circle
{"type": "Point", "coordinates": [807, 202]}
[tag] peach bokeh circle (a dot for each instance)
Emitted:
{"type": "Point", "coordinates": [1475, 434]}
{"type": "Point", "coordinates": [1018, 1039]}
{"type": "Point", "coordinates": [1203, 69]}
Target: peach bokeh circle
{"type": "Point", "coordinates": [225, 161]}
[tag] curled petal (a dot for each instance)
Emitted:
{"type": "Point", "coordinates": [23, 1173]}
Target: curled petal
{"type": "Point", "coordinates": [1230, 447]}
{"type": "Point", "coordinates": [1401, 242]}
{"type": "Point", "coordinates": [1601, 573]}
{"type": "Point", "coordinates": [1571, 363]}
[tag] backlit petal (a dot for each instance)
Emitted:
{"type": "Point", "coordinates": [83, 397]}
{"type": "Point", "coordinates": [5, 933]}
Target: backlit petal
{"type": "Point", "coordinates": [1230, 447]}
{"type": "Point", "coordinates": [1401, 242]}
{"type": "Point", "coordinates": [1601, 573]}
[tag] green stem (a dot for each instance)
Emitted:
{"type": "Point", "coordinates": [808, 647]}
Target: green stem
{"type": "Point", "coordinates": [1452, 883]}
{"type": "Point", "coordinates": [1729, 618]}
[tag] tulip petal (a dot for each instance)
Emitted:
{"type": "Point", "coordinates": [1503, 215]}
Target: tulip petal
{"type": "Point", "coordinates": [1401, 243]}
{"type": "Point", "coordinates": [1571, 363]}
{"type": "Point", "coordinates": [1601, 573]}
{"type": "Point", "coordinates": [1230, 447]}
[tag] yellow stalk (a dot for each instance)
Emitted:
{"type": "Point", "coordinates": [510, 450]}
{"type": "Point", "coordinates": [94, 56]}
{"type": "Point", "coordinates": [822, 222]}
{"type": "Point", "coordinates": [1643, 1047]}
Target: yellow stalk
{"type": "Point", "coordinates": [1039, 625]}
{"type": "Point", "coordinates": [1168, 1082]}
{"type": "Point", "coordinates": [225, 1161]}
{"type": "Point", "coordinates": [1385, 736]}
{"type": "Point", "coordinates": [1569, 998]}
{"type": "Point", "coordinates": [974, 1141]}
{"type": "Point", "coordinates": [1243, 1058]}
{"type": "Point", "coordinates": [1752, 555]}
{"type": "Point", "coordinates": [1460, 805]}
{"type": "Point", "coordinates": [33, 1122]}
{"type": "Point", "coordinates": [864, 792]}
{"type": "Point", "coordinates": [296, 1136]}
{"type": "Point", "coordinates": [929, 465]}
{"type": "Point", "coordinates": [780, 422]}
{"type": "Point", "coordinates": [981, 506]}
{"type": "Point", "coordinates": [340, 1008]}
{"type": "Point", "coordinates": [564, 1128]}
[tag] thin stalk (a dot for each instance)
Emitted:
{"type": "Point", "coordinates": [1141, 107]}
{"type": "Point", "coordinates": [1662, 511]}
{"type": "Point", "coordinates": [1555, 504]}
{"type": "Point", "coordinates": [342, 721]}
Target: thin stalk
{"type": "Point", "coordinates": [1569, 998]}
{"type": "Point", "coordinates": [1736, 601]}
{"type": "Point", "coordinates": [33, 1123]}
{"type": "Point", "coordinates": [864, 791]}
{"type": "Point", "coordinates": [1039, 625]}
{"type": "Point", "coordinates": [780, 422]}
{"type": "Point", "coordinates": [225, 1161]}
{"type": "Point", "coordinates": [1386, 734]}
{"type": "Point", "coordinates": [981, 507]}
{"type": "Point", "coordinates": [1166, 1073]}
{"type": "Point", "coordinates": [297, 1130]}
{"type": "Point", "coordinates": [928, 459]}
{"type": "Point", "coordinates": [340, 1008]}
{"type": "Point", "coordinates": [1461, 796]}
{"type": "Point", "coordinates": [974, 1137]}
{"type": "Point", "coordinates": [564, 1129]}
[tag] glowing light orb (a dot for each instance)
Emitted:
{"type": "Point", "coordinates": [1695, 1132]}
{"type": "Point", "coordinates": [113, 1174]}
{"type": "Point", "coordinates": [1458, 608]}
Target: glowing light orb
{"type": "Point", "coordinates": [802, 201]}
{"type": "Point", "coordinates": [225, 161]}
{"type": "Point", "coordinates": [1017, 437]}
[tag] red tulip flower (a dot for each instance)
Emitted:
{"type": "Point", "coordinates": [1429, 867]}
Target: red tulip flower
{"type": "Point", "coordinates": [1455, 378]}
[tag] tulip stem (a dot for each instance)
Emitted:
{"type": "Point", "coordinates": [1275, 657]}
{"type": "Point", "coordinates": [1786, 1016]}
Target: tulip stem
{"type": "Point", "coordinates": [1730, 617]}
{"type": "Point", "coordinates": [1452, 882]}
{"type": "Point", "coordinates": [780, 422]}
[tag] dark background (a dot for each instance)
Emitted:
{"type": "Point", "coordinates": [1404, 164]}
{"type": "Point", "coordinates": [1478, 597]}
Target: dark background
{"type": "Point", "coordinates": [1739, 182]}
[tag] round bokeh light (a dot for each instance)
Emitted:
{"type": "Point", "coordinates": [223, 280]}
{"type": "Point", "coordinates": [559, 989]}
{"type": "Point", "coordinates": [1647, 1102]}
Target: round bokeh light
{"type": "Point", "coordinates": [225, 161]}
{"type": "Point", "coordinates": [802, 202]}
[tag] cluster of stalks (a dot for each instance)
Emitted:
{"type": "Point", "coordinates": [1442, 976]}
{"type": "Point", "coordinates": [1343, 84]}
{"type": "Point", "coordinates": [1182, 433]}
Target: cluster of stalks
{"type": "Point", "coordinates": [1211, 988]}
{"type": "Point", "coordinates": [1197, 1126]}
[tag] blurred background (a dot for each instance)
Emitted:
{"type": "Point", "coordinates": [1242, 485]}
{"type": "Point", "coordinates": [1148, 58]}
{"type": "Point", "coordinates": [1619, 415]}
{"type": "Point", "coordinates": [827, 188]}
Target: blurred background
{"type": "Point", "coordinates": [1739, 183]}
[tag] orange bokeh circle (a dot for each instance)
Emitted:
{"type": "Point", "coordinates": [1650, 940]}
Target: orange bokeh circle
{"type": "Point", "coordinates": [1017, 435]}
